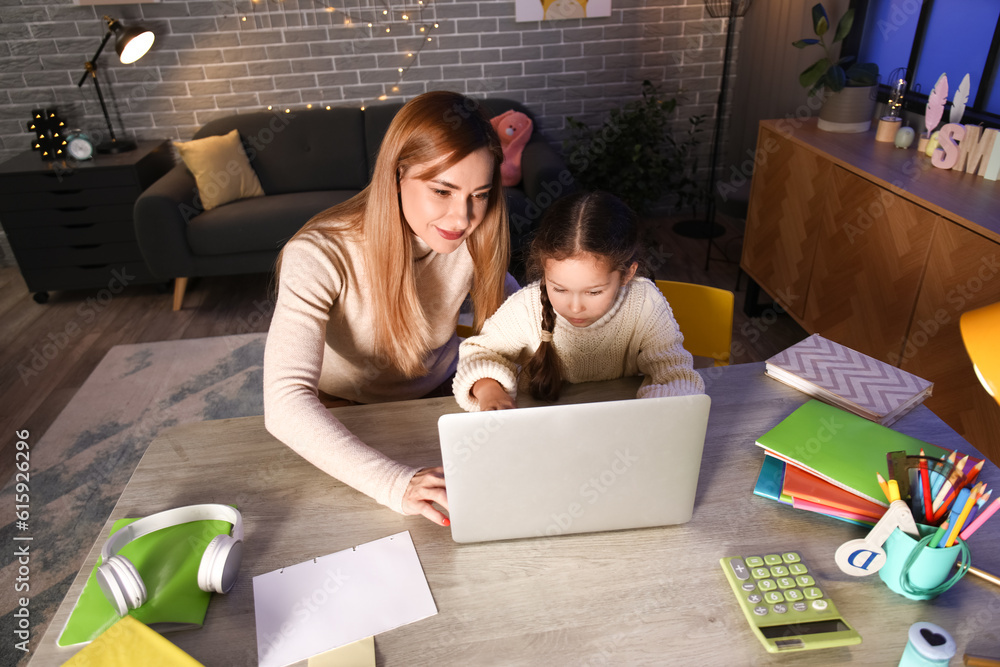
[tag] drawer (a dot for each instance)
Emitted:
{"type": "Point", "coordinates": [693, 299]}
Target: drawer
{"type": "Point", "coordinates": [57, 179]}
{"type": "Point", "coordinates": [77, 255]}
{"type": "Point", "coordinates": [65, 216]}
{"type": "Point", "coordinates": [49, 236]}
{"type": "Point", "coordinates": [107, 276]}
{"type": "Point", "coordinates": [70, 197]}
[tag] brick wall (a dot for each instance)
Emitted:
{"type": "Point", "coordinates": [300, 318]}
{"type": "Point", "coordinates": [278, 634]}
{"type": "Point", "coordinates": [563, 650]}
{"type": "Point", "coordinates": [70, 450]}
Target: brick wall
{"type": "Point", "coordinates": [214, 57]}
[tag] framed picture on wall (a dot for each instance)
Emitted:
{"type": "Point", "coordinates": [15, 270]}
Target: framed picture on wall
{"type": "Point", "coordinates": [553, 10]}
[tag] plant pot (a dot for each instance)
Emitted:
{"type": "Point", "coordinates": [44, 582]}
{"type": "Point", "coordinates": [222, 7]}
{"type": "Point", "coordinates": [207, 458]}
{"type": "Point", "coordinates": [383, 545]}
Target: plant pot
{"type": "Point", "coordinates": [849, 110]}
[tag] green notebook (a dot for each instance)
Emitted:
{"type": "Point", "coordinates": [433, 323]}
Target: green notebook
{"type": "Point", "coordinates": [168, 562]}
{"type": "Point", "coordinates": [841, 447]}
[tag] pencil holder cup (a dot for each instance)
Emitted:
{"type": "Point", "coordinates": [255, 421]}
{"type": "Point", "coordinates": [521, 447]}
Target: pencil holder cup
{"type": "Point", "coordinates": [918, 572]}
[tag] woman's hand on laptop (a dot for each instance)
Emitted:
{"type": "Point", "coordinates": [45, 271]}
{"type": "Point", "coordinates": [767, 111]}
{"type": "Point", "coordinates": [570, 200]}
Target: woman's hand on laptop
{"type": "Point", "coordinates": [426, 487]}
{"type": "Point", "coordinates": [491, 395]}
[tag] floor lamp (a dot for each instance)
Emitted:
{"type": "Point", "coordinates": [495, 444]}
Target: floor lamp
{"type": "Point", "coordinates": [130, 44]}
{"type": "Point", "coordinates": [708, 228]}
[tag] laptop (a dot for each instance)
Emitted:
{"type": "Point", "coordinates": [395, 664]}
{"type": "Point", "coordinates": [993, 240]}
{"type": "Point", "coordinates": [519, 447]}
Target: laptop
{"type": "Point", "coordinates": [562, 469]}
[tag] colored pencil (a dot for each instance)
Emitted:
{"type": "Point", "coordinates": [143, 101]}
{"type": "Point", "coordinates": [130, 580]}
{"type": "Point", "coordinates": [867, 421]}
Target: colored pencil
{"type": "Point", "coordinates": [941, 476]}
{"type": "Point", "coordinates": [925, 487]}
{"type": "Point", "coordinates": [980, 520]}
{"type": "Point", "coordinates": [882, 483]}
{"type": "Point", "coordinates": [936, 540]}
{"type": "Point", "coordinates": [953, 532]}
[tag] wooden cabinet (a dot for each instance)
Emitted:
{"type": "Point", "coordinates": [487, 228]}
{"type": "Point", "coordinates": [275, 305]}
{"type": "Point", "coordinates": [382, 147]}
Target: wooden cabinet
{"type": "Point", "coordinates": [787, 204]}
{"type": "Point", "coordinates": [872, 247]}
{"type": "Point", "coordinates": [870, 252]}
{"type": "Point", "coordinates": [70, 223]}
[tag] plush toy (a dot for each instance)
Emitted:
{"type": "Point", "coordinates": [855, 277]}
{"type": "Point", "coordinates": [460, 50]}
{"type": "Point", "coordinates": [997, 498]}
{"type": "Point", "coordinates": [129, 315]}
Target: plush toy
{"type": "Point", "coordinates": [514, 129]}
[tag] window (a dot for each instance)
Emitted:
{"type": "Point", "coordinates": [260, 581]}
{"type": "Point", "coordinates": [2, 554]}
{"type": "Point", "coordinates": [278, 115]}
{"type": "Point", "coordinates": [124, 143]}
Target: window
{"type": "Point", "coordinates": [927, 38]}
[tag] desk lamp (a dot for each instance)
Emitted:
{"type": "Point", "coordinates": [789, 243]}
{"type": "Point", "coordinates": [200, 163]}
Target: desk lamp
{"type": "Point", "coordinates": [980, 333]}
{"type": "Point", "coordinates": [131, 44]}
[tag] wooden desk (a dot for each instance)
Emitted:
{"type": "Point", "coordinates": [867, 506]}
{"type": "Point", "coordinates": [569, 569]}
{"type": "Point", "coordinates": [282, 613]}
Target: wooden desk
{"type": "Point", "coordinates": [650, 596]}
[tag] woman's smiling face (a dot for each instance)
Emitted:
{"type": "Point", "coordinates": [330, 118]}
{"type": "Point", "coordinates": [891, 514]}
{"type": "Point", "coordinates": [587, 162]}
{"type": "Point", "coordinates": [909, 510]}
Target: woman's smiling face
{"type": "Point", "coordinates": [445, 209]}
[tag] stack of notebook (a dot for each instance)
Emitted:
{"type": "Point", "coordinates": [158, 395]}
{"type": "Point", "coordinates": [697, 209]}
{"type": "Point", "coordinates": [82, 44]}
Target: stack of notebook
{"type": "Point", "coordinates": [823, 459]}
{"type": "Point", "coordinates": [848, 379]}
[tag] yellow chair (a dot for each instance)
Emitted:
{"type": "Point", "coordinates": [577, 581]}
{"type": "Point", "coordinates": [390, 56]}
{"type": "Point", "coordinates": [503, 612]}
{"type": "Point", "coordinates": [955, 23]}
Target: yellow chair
{"type": "Point", "coordinates": [705, 317]}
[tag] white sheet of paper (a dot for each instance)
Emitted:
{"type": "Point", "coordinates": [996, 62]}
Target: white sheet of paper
{"type": "Point", "coordinates": [306, 609]}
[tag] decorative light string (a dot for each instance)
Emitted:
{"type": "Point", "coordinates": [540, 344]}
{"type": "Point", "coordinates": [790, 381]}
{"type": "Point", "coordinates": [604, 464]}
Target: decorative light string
{"type": "Point", "coordinates": [380, 20]}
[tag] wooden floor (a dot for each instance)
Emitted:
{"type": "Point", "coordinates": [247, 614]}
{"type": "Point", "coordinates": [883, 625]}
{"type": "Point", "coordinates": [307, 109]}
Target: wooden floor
{"type": "Point", "coordinates": [47, 351]}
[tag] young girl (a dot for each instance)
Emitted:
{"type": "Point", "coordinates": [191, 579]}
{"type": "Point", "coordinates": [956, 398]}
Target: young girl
{"type": "Point", "coordinates": [588, 317]}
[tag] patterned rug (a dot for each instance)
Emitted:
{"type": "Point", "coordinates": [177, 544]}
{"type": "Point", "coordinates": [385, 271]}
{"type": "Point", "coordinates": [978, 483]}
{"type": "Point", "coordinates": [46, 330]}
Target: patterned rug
{"type": "Point", "coordinates": [80, 466]}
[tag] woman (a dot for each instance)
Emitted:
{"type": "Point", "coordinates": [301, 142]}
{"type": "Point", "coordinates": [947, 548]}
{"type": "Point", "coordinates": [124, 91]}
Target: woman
{"type": "Point", "coordinates": [369, 293]}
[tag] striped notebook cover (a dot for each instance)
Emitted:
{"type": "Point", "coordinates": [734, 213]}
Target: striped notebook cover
{"type": "Point", "coordinates": [849, 379]}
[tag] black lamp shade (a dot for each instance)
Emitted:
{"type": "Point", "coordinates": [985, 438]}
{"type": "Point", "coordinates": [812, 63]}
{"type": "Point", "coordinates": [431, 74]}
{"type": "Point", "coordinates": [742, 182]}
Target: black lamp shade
{"type": "Point", "coordinates": [720, 9]}
{"type": "Point", "coordinates": [132, 43]}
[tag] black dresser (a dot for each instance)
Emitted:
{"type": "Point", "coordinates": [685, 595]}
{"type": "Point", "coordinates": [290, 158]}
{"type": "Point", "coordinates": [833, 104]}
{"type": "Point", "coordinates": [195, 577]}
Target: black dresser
{"type": "Point", "coordinates": [70, 223]}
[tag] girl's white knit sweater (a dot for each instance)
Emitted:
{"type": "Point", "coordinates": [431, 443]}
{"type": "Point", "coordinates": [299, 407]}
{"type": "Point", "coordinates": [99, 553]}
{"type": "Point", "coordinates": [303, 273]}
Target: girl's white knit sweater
{"type": "Point", "coordinates": [638, 335]}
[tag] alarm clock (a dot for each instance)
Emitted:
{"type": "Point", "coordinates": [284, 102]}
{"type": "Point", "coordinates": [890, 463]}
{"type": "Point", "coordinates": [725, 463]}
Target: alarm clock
{"type": "Point", "coordinates": [79, 146]}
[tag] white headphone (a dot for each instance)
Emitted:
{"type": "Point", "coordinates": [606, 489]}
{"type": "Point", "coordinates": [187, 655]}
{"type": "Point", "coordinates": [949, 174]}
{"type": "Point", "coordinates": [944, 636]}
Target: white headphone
{"type": "Point", "coordinates": [120, 580]}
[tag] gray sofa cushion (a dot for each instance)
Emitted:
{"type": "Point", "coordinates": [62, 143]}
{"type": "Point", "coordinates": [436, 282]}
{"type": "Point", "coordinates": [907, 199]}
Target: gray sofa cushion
{"type": "Point", "coordinates": [313, 149]}
{"type": "Point", "coordinates": [261, 223]}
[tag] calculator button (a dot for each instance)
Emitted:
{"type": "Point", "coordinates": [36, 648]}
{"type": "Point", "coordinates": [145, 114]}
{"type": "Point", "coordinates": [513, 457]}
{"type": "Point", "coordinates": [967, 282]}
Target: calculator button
{"type": "Point", "coordinates": [774, 597]}
{"type": "Point", "coordinates": [799, 606]}
{"type": "Point", "coordinates": [791, 557]}
{"type": "Point", "coordinates": [754, 598]}
{"type": "Point", "coordinates": [779, 571]}
{"type": "Point", "coordinates": [748, 586]}
{"type": "Point", "coordinates": [793, 594]}
{"type": "Point", "coordinates": [780, 609]}
{"type": "Point", "coordinates": [760, 573]}
{"type": "Point", "coordinates": [754, 561]}
{"type": "Point", "coordinates": [819, 605]}
{"type": "Point", "coordinates": [812, 593]}
{"type": "Point", "coordinates": [797, 568]}
{"type": "Point", "coordinates": [786, 582]}
{"type": "Point", "coordinates": [766, 584]}
{"type": "Point", "coordinates": [805, 580]}
{"type": "Point", "coordinates": [760, 610]}
{"type": "Point", "coordinates": [739, 569]}
{"type": "Point", "coordinates": [772, 559]}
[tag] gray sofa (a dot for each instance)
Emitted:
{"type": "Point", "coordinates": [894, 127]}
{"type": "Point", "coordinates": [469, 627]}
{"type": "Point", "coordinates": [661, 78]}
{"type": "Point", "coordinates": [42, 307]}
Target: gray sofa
{"type": "Point", "coordinates": [306, 161]}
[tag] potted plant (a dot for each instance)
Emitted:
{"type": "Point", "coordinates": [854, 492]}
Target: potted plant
{"type": "Point", "coordinates": [849, 86]}
{"type": "Point", "coordinates": [637, 155]}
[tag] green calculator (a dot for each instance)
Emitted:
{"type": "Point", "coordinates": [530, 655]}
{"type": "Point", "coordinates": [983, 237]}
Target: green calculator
{"type": "Point", "coordinates": [785, 605]}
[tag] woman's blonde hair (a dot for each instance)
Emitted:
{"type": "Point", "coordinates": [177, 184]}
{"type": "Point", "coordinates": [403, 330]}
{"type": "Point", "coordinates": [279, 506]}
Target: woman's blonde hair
{"type": "Point", "coordinates": [435, 126]}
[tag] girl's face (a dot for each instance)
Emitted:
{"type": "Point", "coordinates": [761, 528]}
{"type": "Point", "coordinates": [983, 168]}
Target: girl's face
{"type": "Point", "coordinates": [444, 210]}
{"type": "Point", "coordinates": [583, 288]}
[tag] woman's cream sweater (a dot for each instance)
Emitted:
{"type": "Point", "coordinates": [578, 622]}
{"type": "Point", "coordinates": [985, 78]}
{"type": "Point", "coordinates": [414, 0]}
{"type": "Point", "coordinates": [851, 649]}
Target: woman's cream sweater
{"type": "Point", "coordinates": [320, 339]}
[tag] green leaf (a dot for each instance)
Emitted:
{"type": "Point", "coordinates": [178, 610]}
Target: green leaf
{"type": "Point", "coordinates": [820, 21]}
{"type": "Point", "coordinates": [844, 26]}
{"type": "Point", "coordinates": [813, 74]}
{"type": "Point", "coordinates": [836, 79]}
{"type": "Point", "coordinates": [803, 43]}
{"type": "Point", "coordinates": [863, 74]}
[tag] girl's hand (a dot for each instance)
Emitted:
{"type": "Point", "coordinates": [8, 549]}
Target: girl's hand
{"type": "Point", "coordinates": [427, 487]}
{"type": "Point", "coordinates": [491, 395]}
